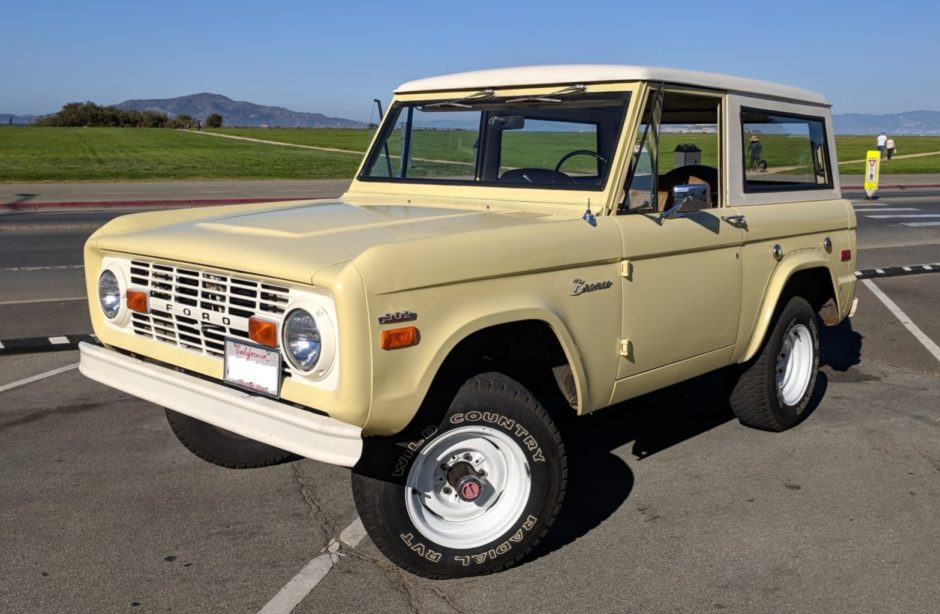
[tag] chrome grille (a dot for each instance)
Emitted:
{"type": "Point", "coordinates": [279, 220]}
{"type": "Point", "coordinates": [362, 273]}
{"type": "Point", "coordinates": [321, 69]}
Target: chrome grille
{"type": "Point", "coordinates": [197, 309]}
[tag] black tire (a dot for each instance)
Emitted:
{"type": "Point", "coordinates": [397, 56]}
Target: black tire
{"type": "Point", "coordinates": [756, 397]}
{"type": "Point", "coordinates": [224, 448]}
{"type": "Point", "coordinates": [489, 405]}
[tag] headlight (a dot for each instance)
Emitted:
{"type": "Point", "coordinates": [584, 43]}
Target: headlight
{"type": "Point", "coordinates": [109, 294]}
{"type": "Point", "coordinates": [302, 342]}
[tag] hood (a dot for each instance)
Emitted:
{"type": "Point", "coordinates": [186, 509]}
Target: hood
{"type": "Point", "coordinates": [288, 242]}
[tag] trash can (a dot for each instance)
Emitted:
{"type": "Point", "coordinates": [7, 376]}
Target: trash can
{"type": "Point", "coordinates": [687, 155]}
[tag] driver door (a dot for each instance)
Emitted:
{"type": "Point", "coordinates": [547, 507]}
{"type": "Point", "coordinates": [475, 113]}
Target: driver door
{"type": "Point", "coordinates": [682, 270]}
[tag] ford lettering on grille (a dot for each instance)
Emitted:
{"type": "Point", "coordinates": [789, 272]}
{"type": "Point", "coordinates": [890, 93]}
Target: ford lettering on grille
{"type": "Point", "coordinates": [197, 309]}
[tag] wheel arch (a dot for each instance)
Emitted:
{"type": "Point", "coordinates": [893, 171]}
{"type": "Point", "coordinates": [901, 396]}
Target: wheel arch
{"type": "Point", "coordinates": [526, 345]}
{"type": "Point", "coordinates": [805, 274]}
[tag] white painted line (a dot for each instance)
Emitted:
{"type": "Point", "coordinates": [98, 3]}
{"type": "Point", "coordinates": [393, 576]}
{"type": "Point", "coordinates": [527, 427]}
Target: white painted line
{"type": "Point", "coordinates": [353, 534]}
{"type": "Point", "coordinates": [866, 204]}
{"type": "Point", "coordinates": [903, 216]}
{"type": "Point", "coordinates": [928, 267]}
{"type": "Point", "coordinates": [301, 585]}
{"type": "Point", "coordinates": [926, 341]}
{"type": "Point", "coordinates": [58, 340]}
{"type": "Point", "coordinates": [33, 301]}
{"type": "Point", "coordinates": [917, 224]}
{"type": "Point", "coordinates": [892, 209]}
{"type": "Point", "coordinates": [1, 345]}
{"type": "Point", "coordinates": [880, 271]}
{"type": "Point", "coordinates": [906, 268]}
{"type": "Point", "coordinates": [36, 378]}
{"type": "Point", "coordinates": [42, 268]}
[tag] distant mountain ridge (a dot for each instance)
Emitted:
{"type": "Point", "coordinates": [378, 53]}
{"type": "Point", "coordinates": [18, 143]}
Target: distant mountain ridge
{"type": "Point", "coordinates": [923, 123]}
{"type": "Point", "coordinates": [237, 113]}
{"type": "Point", "coordinates": [17, 119]}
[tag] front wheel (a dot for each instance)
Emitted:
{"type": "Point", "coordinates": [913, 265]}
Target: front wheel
{"type": "Point", "coordinates": [774, 389]}
{"type": "Point", "coordinates": [473, 492]}
{"type": "Point", "coordinates": [224, 448]}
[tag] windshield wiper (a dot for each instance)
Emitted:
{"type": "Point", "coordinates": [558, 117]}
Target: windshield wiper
{"type": "Point", "coordinates": [459, 103]}
{"type": "Point", "coordinates": [571, 89]}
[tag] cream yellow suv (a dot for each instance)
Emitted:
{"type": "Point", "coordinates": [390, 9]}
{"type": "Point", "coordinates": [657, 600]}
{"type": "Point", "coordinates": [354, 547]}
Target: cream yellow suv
{"type": "Point", "coordinates": [596, 231]}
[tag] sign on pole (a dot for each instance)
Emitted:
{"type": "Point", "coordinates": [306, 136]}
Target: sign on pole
{"type": "Point", "coordinates": [872, 167]}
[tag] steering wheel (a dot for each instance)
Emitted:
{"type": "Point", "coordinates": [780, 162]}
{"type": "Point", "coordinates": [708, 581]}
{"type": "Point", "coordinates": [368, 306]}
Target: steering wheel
{"type": "Point", "coordinates": [579, 152]}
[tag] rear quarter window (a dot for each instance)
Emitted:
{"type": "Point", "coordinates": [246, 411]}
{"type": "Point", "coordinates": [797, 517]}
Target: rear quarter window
{"type": "Point", "coordinates": [784, 152]}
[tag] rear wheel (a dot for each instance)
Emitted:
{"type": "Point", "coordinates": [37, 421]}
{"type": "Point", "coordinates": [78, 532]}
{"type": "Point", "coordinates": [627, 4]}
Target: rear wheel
{"type": "Point", "coordinates": [224, 448]}
{"type": "Point", "coordinates": [470, 492]}
{"type": "Point", "coordinates": [774, 389]}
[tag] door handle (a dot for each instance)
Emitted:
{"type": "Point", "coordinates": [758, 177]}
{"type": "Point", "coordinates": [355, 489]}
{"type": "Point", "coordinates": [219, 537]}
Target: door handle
{"type": "Point", "coordinates": [738, 221]}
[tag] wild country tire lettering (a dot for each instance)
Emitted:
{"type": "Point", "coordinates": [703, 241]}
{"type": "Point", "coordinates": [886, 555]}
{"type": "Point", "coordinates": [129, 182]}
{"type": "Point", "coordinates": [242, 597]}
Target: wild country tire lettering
{"type": "Point", "coordinates": [465, 559]}
{"type": "Point", "coordinates": [508, 424]}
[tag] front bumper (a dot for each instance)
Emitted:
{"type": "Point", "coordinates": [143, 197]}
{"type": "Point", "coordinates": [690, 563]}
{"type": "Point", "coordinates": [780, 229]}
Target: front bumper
{"type": "Point", "coordinates": [277, 424]}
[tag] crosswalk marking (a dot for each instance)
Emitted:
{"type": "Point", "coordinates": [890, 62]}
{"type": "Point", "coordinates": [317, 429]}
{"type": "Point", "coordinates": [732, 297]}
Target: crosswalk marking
{"type": "Point", "coordinates": [903, 216]}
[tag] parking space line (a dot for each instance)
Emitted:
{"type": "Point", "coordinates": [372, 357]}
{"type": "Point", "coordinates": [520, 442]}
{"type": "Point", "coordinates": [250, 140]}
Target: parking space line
{"type": "Point", "coordinates": [36, 378]}
{"type": "Point", "coordinates": [307, 579]}
{"type": "Point", "coordinates": [16, 269]}
{"type": "Point", "coordinates": [883, 209]}
{"type": "Point", "coordinates": [902, 216]}
{"type": "Point", "coordinates": [926, 341]}
{"type": "Point", "coordinates": [33, 301]}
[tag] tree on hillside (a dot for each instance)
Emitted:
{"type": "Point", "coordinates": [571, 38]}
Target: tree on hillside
{"type": "Point", "coordinates": [214, 121]}
{"type": "Point", "coordinates": [181, 121]}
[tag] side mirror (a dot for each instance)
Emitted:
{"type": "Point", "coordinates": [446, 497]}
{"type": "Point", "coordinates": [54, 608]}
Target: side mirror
{"type": "Point", "coordinates": [690, 193]}
{"type": "Point", "coordinates": [508, 122]}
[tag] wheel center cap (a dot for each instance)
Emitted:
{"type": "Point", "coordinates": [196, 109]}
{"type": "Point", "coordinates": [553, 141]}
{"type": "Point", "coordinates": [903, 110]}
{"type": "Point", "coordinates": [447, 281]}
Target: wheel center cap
{"type": "Point", "coordinates": [469, 488]}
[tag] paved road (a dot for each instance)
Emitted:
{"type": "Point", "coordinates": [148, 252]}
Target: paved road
{"type": "Point", "coordinates": [27, 197]}
{"type": "Point", "coordinates": [673, 505]}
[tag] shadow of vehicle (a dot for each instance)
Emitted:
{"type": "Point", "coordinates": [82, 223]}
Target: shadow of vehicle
{"type": "Point", "coordinates": [599, 481]}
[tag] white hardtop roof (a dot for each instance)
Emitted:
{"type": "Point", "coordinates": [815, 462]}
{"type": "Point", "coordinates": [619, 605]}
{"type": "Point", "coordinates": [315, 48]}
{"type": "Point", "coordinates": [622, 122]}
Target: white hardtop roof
{"type": "Point", "coordinates": [595, 73]}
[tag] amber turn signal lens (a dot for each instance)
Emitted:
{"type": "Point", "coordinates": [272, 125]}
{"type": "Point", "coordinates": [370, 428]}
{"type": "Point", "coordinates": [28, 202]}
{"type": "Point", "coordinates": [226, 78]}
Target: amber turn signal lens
{"type": "Point", "coordinates": [845, 255]}
{"type": "Point", "coordinates": [263, 332]}
{"type": "Point", "coordinates": [400, 338]}
{"type": "Point", "coordinates": [137, 301]}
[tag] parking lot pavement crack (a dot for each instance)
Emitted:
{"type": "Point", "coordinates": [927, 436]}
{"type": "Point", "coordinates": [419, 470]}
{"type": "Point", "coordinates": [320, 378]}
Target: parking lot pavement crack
{"type": "Point", "coordinates": [403, 583]}
{"type": "Point", "coordinates": [317, 512]}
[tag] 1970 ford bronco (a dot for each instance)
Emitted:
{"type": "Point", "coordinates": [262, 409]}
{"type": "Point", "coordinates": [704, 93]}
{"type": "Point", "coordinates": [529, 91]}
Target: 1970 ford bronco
{"type": "Point", "coordinates": [595, 231]}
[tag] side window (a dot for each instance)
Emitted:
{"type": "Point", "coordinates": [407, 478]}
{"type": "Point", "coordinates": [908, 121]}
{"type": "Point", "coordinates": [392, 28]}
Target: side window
{"type": "Point", "coordinates": [677, 143]}
{"type": "Point", "coordinates": [784, 152]}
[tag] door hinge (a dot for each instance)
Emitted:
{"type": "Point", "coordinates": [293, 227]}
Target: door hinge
{"type": "Point", "coordinates": [626, 270]}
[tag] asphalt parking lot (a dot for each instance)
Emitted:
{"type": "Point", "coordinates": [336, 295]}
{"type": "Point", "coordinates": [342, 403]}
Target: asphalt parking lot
{"type": "Point", "coordinates": [672, 505]}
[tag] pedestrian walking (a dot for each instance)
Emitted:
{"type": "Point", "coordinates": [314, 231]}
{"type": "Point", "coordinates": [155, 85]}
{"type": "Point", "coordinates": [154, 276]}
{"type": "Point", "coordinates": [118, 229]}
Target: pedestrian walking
{"type": "Point", "coordinates": [882, 140]}
{"type": "Point", "coordinates": [889, 145]}
{"type": "Point", "coordinates": [754, 150]}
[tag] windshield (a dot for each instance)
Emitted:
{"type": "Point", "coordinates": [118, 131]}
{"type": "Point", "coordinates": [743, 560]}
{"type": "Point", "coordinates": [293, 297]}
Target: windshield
{"type": "Point", "coordinates": [563, 140]}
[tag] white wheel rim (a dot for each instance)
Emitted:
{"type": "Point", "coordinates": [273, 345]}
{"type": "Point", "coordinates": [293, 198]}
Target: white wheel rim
{"type": "Point", "coordinates": [795, 364]}
{"type": "Point", "coordinates": [436, 509]}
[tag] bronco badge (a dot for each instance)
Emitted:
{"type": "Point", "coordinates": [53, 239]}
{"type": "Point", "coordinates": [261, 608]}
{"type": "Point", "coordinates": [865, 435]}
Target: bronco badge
{"type": "Point", "coordinates": [580, 286]}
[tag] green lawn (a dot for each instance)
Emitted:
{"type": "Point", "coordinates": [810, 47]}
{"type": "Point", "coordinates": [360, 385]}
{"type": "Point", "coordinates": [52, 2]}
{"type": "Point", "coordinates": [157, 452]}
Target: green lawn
{"type": "Point", "coordinates": [29, 154]}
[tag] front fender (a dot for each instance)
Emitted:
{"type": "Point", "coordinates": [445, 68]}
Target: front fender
{"type": "Point", "coordinates": [398, 398]}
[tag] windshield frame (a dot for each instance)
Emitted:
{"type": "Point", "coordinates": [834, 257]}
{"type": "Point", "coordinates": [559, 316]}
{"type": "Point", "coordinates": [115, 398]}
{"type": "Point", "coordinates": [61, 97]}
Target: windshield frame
{"type": "Point", "coordinates": [499, 103]}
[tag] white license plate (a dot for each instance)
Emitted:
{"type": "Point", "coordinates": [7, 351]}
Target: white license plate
{"type": "Point", "coordinates": [253, 367]}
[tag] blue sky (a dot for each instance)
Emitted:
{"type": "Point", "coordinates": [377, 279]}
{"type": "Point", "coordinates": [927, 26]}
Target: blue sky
{"type": "Point", "coordinates": [334, 57]}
